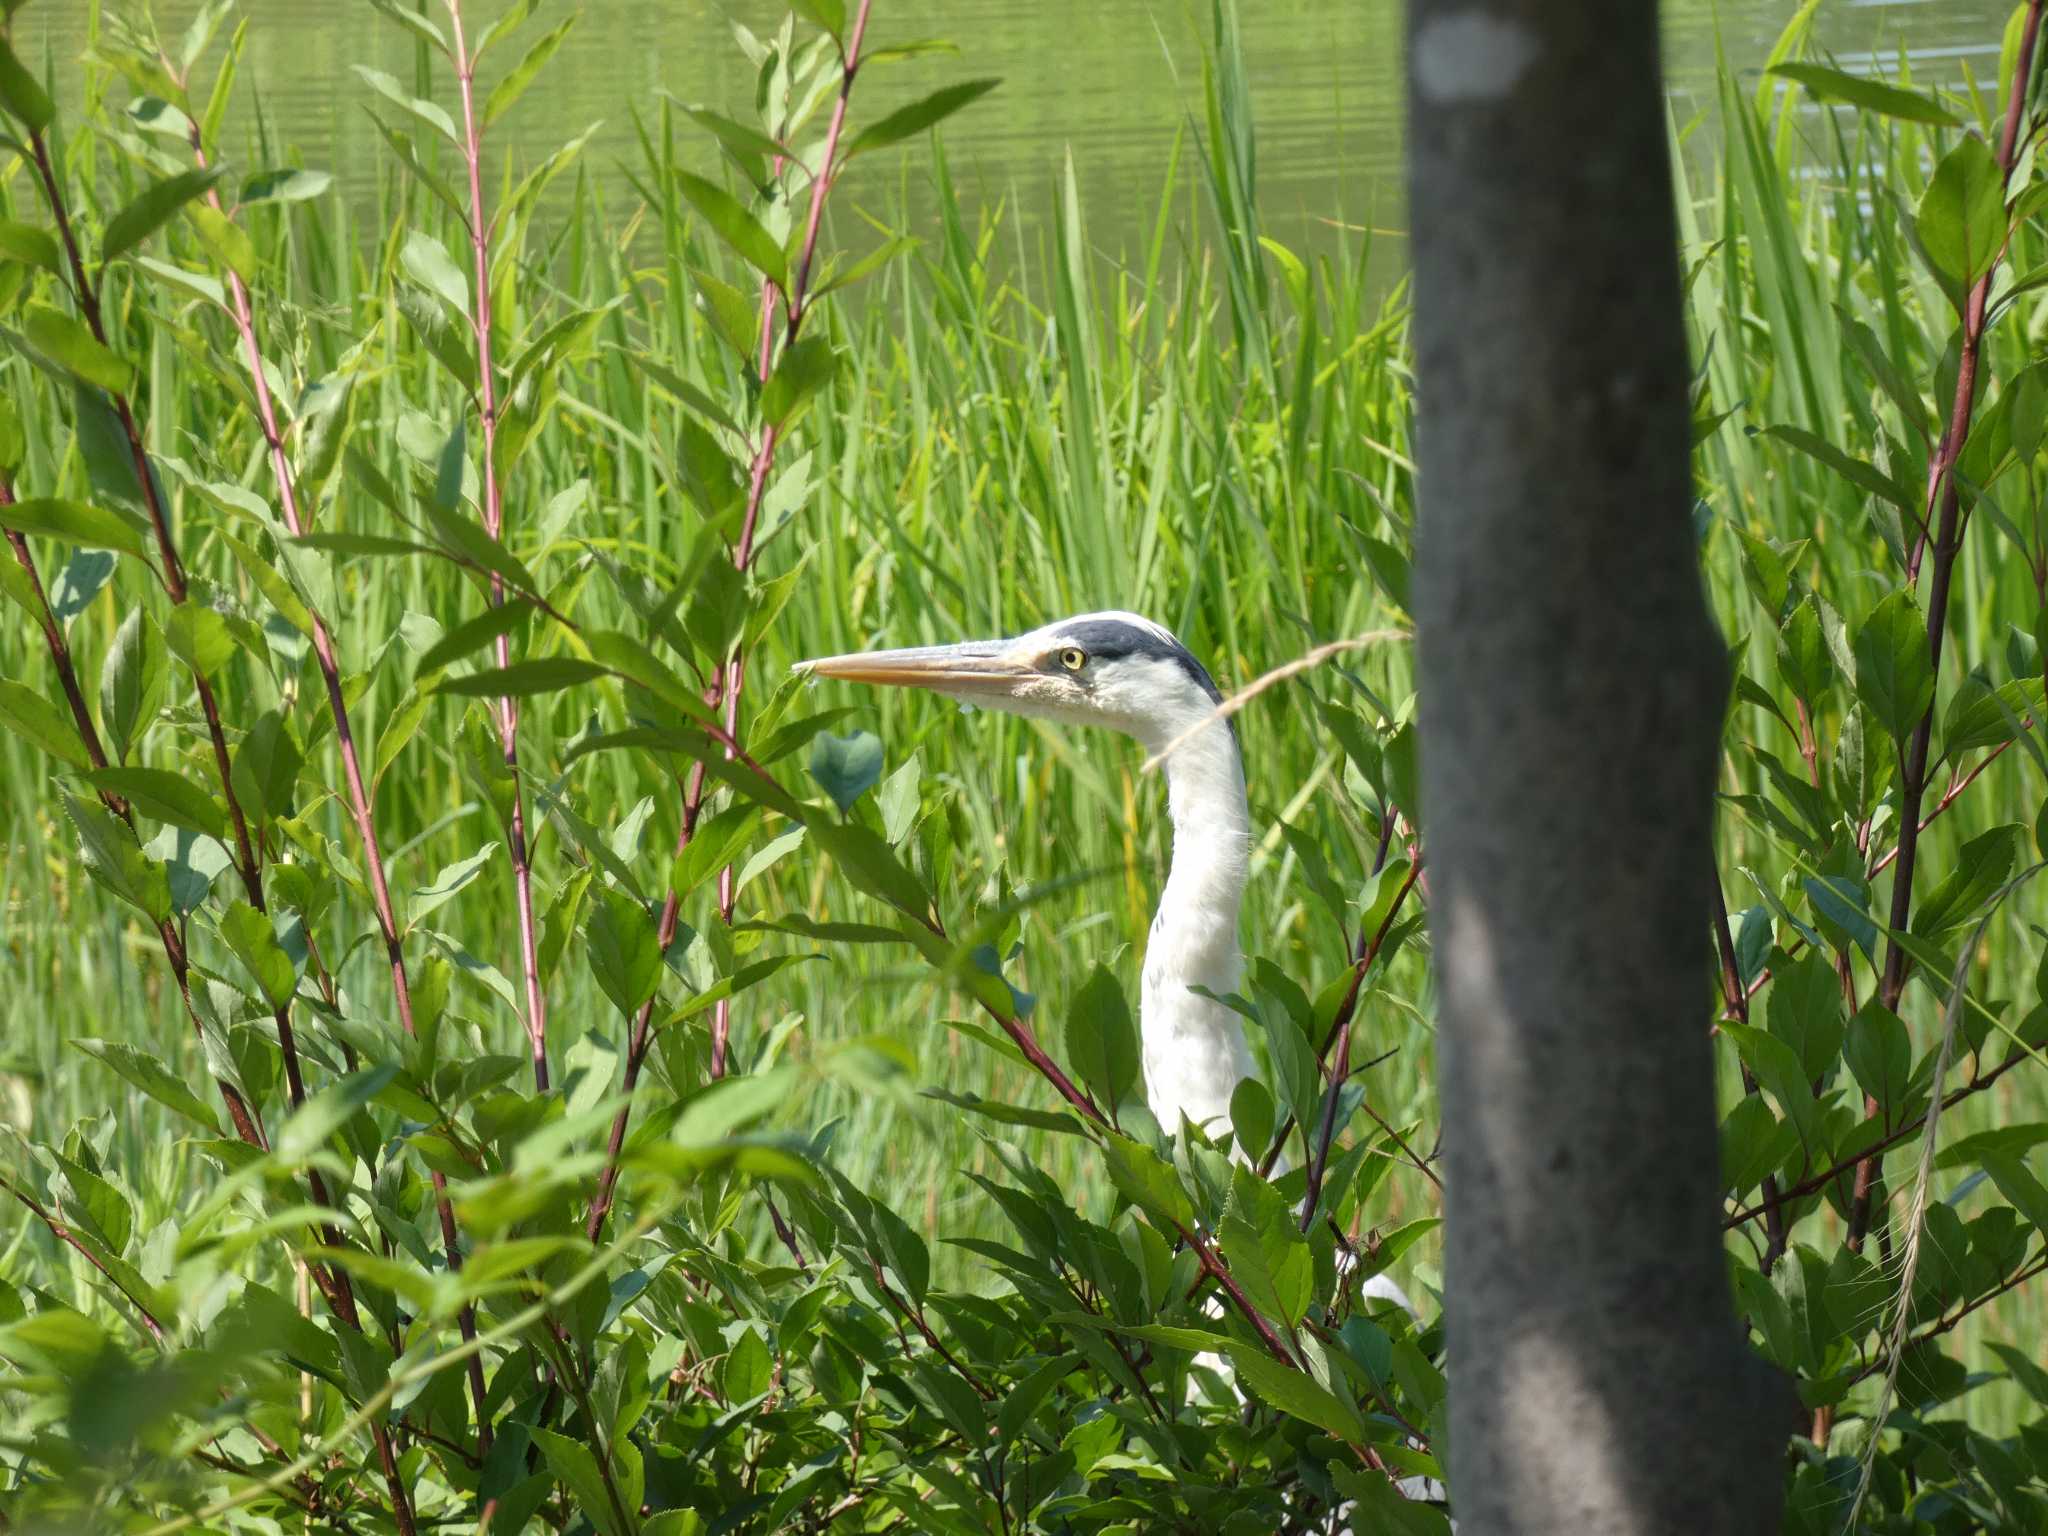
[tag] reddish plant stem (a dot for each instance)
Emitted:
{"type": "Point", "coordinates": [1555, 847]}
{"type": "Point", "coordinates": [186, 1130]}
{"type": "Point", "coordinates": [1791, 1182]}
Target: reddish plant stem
{"type": "Point", "coordinates": [1956, 786]}
{"type": "Point", "coordinates": [334, 1284]}
{"type": "Point", "coordinates": [1340, 1027]}
{"type": "Point", "coordinates": [1813, 1182]}
{"type": "Point", "coordinates": [494, 517]}
{"type": "Point", "coordinates": [1738, 1002]}
{"type": "Point", "coordinates": [917, 1320]}
{"type": "Point", "coordinates": [729, 681]}
{"type": "Point", "coordinates": [796, 305]}
{"type": "Point", "coordinates": [359, 799]}
{"type": "Point", "coordinates": [246, 1124]}
{"type": "Point", "coordinates": [61, 1230]}
{"type": "Point", "coordinates": [1946, 546]}
{"type": "Point", "coordinates": [643, 1026]}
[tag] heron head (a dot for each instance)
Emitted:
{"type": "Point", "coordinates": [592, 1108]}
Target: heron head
{"type": "Point", "coordinates": [1113, 669]}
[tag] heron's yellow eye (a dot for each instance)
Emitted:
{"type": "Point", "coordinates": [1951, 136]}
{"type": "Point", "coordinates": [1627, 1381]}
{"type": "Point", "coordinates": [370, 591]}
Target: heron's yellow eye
{"type": "Point", "coordinates": [1073, 658]}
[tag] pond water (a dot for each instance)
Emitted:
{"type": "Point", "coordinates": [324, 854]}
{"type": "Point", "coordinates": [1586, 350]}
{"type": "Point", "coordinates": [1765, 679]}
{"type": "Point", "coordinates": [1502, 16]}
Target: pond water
{"type": "Point", "coordinates": [1109, 81]}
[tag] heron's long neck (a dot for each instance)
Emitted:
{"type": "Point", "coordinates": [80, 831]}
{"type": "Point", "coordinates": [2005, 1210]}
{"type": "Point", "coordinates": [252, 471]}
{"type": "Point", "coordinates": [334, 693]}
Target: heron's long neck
{"type": "Point", "coordinates": [1211, 848]}
{"type": "Point", "coordinates": [1194, 1049]}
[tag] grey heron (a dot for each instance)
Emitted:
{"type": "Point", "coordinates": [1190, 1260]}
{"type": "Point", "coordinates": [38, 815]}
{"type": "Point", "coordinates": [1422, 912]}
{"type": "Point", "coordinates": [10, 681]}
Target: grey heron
{"type": "Point", "coordinates": [1126, 672]}
{"type": "Point", "coordinates": [1130, 674]}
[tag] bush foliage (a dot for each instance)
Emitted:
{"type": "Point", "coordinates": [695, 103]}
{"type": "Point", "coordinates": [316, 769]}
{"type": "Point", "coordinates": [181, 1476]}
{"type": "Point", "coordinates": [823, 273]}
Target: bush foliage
{"type": "Point", "coordinates": [515, 980]}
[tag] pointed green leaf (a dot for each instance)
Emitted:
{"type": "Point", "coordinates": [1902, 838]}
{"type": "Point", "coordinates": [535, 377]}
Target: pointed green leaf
{"type": "Point", "coordinates": [1101, 1041]}
{"type": "Point", "coordinates": [73, 522]}
{"type": "Point", "coordinates": [846, 767]}
{"type": "Point", "coordinates": [41, 724]}
{"type": "Point", "coordinates": [164, 796]}
{"type": "Point", "coordinates": [1961, 219]}
{"type": "Point", "coordinates": [149, 1074]}
{"type": "Point", "coordinates": [1894, 674]}
{"type": "Point", "coordinates": [114, 859]}
{"type": "Point", "coordinates": [254, 941]}
{"type": "Point", "coordinates": [508, 90]}
{"type": "Point", "coordinates": [67, 344]}
{"type": "Point", "coordinates": [150, 209]}
{"type": "Point", "coordinates": [21, 95]}
{"type": "Point", "coordinates": [1872, 95]}
{"type": "Point", "coordinates": [731, 221]}
{"type": "Point", "coordinates": [905, 122]}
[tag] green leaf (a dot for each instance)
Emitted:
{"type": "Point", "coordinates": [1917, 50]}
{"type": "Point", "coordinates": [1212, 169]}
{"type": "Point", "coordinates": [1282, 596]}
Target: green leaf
{"type": "Point", "coordinates": [1803, 653]}
{"type": "Point", "coordinates": [199, 636]}
{"type": "Point", "coordinates": [736, 226]}
{"type": "Point", "coordinates": [508, 90]}
{"type": "Point", "coordinates": [900, 800]}
{"type": "Point", "coordinates": [271, 582]}
{"type": "Point", "coordinates": [1961, 220]}
{"type": "Point", "coordinates": [41, 724]}
{"type": "Point", "coordinates": [1873, 95]}
{"type": "Point", "coordinates": [872, 866]}
{"type": "Point", "coordinates": [1295, 1392]}
{"type": "Point", "coordinates": [145, 214]}
{"type": "Point", "coordinates": [73, 522]}
{"type": "Point", "coordinates": [225, 240]}
{"type": "Point", "coordinates": [149, 1074]}
{"type": "Point", "coordinates": [905, 122]}
{"type": "Point", "coordinates": [846, 767]}
{"type": "Point", "coordinates": [1880, 1055]}
{"type": "Point", "coordinates": [254, 941]}
{"type": "Point", "coordinates": [266, 768]}
{"type": "Point", "coordinates": [166, 796]}
{"type": "Point", "coordinates": [1979, 715]}
{"type": "Point", "coordinates": [546, 674]}
{"type": "Point", "coordinates": [1253, 1116]}
{"type": "Point", "coordinates": [1272, 1264]}
{"type": "Point", "coordinates": [625, 952]}
{"type": "Point", "coordinates": [845, 277]}
{"type": "Point", "coordinates": [799, 374]}
{"type": "Point", "coordinates": [1980, 869]}
{"type": "Point", "coordinates": [114, 859]}
{"type": "Point", "coordinates": [285, 186]}
{"type": "Point", "coordinates": [445, 885]}
{"type": "Point", "coordinates": [67, 344]}
{"type": "Point", "coordinates": [1101, 1040]}
{"type": "Point", "coordinates": [1894, 675]}
{"type": "Point", "coordinates": [1855, 471]}
{"type": "Point", "coordinates": [750, 147]}
{"type": "Point", "coordinates": [474, 633]}
{"type": "Point", "coordinates": [421, 111]}
{"type": "Point", "coordinates": [327, 1111]}
{"type": "Point", "coordinates": [2020, 1187]}
{"type": "Point", "coordinates": [31, 246]}
{"type": "Point", "coordinates": [427, 262]}
{"type": "Point", "coordinates": [1147, 1181]}
{"type": "Point", "coordinates": [828, 16]}
{"type": "Point", "coordinates": [21, 95]}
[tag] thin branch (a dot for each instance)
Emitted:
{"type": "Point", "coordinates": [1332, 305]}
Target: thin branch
{"type": "Point", "coordinates": [1738, 1001]}
{"type": "Point", "coordinates": [494, 517]}
{"type": "Point", "coordinates": [61, 1230]}
{"type": "Point", "coordinates": [360, 807]}
{"type": "Point", "coordinates": [1258, 685]}
{"type": "Point", "coordinates": [1946, 546]}
{"type": "Point", "coordinates": [917, 1319]}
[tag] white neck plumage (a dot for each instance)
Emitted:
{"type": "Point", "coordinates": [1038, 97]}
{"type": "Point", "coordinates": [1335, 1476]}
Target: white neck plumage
{"type": "Point", "coordinates": [1194, 1049]}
